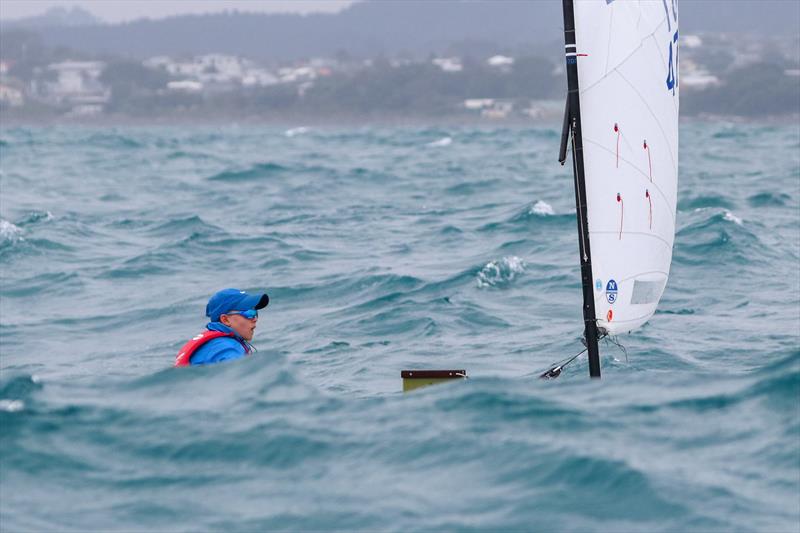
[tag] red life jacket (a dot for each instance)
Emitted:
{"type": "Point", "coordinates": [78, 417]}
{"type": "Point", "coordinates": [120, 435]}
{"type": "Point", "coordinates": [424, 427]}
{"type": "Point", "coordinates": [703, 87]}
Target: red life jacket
{"type": "Point", "coordinates": [186, 353]}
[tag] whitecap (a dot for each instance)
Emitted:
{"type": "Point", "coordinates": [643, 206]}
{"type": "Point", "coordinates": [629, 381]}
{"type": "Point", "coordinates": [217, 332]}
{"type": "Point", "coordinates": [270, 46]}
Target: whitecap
{"type": "Point", "coordinates": [444, 141]}
{"type": "Point", "coordinates": [37, 216]}
{"type": "Point", "coordinates": [730, 217]}
{"type": "Point", "coordinates": [9, 232]}
{"type": "Point", "coordinates": [500, 272]}
{"type": "Point", "coordinates": [541, 208]}
{"type": "Point", "coordinates": [12, 406]}
{"type": "Point", "coordinates": [293, 132]}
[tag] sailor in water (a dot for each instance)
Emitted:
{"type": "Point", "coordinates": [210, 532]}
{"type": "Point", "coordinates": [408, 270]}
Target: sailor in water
{"type": "Point", "coordinates": [233, 318]}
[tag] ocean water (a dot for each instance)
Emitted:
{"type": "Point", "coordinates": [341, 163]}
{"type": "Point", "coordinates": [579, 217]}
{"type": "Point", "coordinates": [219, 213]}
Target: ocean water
{"type": "Point", "coordinates": [386, 248]}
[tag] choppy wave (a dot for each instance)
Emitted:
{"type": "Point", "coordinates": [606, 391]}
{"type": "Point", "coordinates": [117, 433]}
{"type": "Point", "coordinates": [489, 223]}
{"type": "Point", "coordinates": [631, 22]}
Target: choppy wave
{"type": "Point", "coordinates": [257, 171]}
{"type": "Point", "coordinates": [501, 272]}
{"type": "Point", "coordinates": [705, 201]}
{"type": "Point", "coordinates": [769, 199]}
{"type": "Point", "coordinates": [260, 418]}
{"type": "Point", "coordinates": [730, 217]}
{"type": "Point", "coordinates": [444, 141]}
{"type": "Point", "coordinates": [381, 255]}
{"type": "Point", "coordinates": [294, 132]}
{"type": "Point", "coordinates": [713, 234]}
{"type": "Point", "coordinates": [542, 208]}
{"type": "Point", "coordinates": [35, 217]}
{"type": "Point", "coordinates": [9, 232]}
{"type": "Point", "coordinates": [112, 140]}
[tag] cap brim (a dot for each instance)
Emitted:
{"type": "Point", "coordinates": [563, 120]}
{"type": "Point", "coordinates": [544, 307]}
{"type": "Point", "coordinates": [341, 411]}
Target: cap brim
{"type": "Point", "coordinates": [253, 301]}
{"type": "Point", "coordinates": [262, 302]}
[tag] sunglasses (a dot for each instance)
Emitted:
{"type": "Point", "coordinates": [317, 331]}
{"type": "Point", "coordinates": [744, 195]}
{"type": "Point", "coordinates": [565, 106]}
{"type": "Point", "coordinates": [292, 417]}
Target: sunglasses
{"type": "Point", "coordinates": [250, 314]}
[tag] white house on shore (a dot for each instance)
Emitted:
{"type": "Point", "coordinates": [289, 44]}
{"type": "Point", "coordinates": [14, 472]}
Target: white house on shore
{"type": "Point", "coordinates": [77, 84]}
{"type": "Point", "coordinates": [448, 64]}
{"type": "Point", "coordinates": [500, 61]}
{"type": "Point", "coordinates": [213, 70]}
{"type": "Point", "coordinates": [185, 86]}
{"type": "Point", "coordinates": [11, 96]}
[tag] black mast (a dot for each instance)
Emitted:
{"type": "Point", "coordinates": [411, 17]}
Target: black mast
{"type": "Point", "coordinates": [572, 124]}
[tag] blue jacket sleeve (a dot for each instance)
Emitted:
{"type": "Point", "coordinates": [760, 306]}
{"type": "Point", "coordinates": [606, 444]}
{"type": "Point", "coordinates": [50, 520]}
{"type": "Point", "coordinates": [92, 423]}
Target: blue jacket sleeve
{"type": "Point", "coordinates": [218, 350]}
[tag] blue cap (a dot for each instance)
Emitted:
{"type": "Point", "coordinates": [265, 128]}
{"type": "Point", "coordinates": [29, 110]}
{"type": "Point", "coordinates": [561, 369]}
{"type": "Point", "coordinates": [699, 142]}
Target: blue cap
{"type": "Point", "coordinates": [228, 300]}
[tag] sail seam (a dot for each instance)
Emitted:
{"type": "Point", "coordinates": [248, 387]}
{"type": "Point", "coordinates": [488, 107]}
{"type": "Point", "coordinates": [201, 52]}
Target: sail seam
{"type": "Point", "coordinates": [624, 60]}
{"type": "Point", "coordinates": [608, 46]}
{"type": "Point", "coordinates": [623, 280]}
{"type": "Point", "coordinates": [616, 68]}
{"type": "Point", "coordinates": [655, 118]}
{"type": "Point", "coordinates": [639, 18]}
{"type": "Point", "coordinates": [664, 135]}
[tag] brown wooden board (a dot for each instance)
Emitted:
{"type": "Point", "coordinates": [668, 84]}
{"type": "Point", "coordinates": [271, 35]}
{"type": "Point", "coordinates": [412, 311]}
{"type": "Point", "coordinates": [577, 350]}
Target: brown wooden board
{"type": "Point", "coordinates": [433, 374]}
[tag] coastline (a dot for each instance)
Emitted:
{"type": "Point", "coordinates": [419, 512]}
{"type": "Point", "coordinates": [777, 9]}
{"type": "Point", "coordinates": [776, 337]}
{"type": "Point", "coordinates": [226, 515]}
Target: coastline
{"type": "Point", "coordinates": [292, 120]}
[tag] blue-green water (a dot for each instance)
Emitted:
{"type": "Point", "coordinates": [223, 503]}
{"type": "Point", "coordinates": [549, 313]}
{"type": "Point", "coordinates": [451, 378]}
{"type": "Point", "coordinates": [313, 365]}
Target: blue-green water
{"type": "Point", "coordinates": [385, 249]}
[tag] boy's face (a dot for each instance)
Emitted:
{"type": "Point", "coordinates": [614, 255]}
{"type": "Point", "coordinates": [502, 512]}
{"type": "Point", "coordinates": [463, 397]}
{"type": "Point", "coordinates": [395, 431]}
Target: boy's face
{"type": "Point", "coordinates": [243, 326]}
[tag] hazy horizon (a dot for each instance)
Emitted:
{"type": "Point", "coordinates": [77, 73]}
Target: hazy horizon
{"type": "Point", "coordinates": [117, 11]}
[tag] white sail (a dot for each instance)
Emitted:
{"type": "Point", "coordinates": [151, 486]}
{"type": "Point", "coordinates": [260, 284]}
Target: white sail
{"type": "Point", "coordinates": [627, 72]}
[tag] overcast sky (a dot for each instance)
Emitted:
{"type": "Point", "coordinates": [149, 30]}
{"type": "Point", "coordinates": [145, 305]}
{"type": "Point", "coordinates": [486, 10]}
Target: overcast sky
{"type": "Point", "coordinates": [126, 10]}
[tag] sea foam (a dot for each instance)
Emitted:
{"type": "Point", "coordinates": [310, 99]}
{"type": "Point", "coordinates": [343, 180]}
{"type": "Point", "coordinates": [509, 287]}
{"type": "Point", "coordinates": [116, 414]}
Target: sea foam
{"type": "Point", "coordinates": [9, 232]}
{"type": "Point", "coordinates": [500, 272]}
{"type": "Point", "coordinates": [12, 406]}
{"type": "Point", "coordinates": [294, 132]}
{"type": "Point", "coordinates": [444, 141]}
{"type": "Point", "coordinates": [541, 208]}
{"type": "Point", "coordinates": [730, 217]}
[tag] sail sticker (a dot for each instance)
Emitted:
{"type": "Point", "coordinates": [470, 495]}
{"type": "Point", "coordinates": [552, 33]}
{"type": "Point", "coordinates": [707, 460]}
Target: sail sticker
{"type": "Point", "coordinates": [598, 284]}
{"type": "Point", "coordinates": [611, 291]}
{"type": "Point", "coordinates": [609, 315]}
{"type": "Point", "coordinates": [616, 130]}
{"type": "Point", "coordinates": [621, 213]}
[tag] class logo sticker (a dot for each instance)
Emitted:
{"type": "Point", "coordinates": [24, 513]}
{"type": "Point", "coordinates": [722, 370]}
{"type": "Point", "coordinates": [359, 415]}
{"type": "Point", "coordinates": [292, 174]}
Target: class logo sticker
{"type": "Point", "coordinates": [611, 291]}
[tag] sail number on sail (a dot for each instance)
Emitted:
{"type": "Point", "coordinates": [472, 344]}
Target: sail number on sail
{"type": "Point", "coordinates": [672, 74]}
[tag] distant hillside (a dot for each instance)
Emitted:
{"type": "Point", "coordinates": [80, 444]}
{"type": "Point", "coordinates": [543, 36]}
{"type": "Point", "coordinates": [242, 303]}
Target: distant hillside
{"type": "Point", "coordinates": [390, 27]}
{"type": "Point", "coordinates": [55, 16]}
{"type": "Point", "coordinates": [366, 29]}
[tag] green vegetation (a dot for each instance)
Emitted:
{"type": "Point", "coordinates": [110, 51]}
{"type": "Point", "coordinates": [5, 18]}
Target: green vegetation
{"type": "Point", "coordinates": [425, 89]}
{"type": "Point", "coordinates": [133, 87]}
{"type": "Point", "coordinates": [374, 89]}
{"type": "Point", "coordinates": [421, 89]}
{"type": "Point", "coordinates": [753, 90]}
